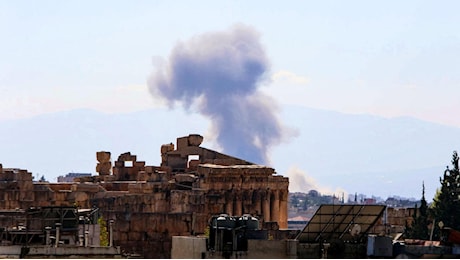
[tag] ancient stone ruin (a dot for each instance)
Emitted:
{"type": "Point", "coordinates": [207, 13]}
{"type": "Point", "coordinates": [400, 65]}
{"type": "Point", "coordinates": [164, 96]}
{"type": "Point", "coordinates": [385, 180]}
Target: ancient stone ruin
{"type": "Point", "coordinates": [150, 204]}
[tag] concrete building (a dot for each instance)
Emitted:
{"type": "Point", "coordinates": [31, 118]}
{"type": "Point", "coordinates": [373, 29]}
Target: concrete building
{"type": "Point", "coordinates": [70, 177]}
{"type": "Point", "coordinates": [334, 231]}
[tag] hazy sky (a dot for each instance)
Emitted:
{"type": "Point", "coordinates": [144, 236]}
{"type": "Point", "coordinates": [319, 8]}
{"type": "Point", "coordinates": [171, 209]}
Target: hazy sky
{"type": "Point", "coordinates": [387, 58]}
{"type": "Point", "coordinates": [390, 58]}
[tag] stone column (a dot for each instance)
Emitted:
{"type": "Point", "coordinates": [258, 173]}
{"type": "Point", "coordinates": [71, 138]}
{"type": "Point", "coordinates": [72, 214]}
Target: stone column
{"type": "Point", "coordinates": [238, 209]}
{"type": "Point", "coordinates": [266, 205]}
{"type": "Point", "coordinates": [104, 164]}
{"type": "Point", "coordinates": [283, 210]}
{"type": "Point", "coordinates": [257, 202]}
{"type": "Point", "coordinates": [275, 206]}
{"type": "Point", "coordinates": [229, 204]}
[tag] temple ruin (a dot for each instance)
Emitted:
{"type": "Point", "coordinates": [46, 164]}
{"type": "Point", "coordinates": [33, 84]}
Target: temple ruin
{"type": "Point", "coordinates": [150, 204]}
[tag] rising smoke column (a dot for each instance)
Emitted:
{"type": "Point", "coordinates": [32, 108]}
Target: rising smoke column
{"type": "Point", "coordinates": [221, 72]}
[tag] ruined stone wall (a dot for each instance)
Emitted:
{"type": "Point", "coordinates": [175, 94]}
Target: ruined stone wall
{"type": "Point", "coordinates": [189, 145]}
{"type": "Point", "coordinates": [151, 204]}
{"type": "Point", "coordinates": [150, 234]}
{"type": "Point", "coordinates": [145, 223]}
{"type": "Point", "coordinates": [16, 188]}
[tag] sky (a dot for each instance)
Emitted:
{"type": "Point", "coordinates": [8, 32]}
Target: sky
{"type": "Point", "coordinates": [386, 58]}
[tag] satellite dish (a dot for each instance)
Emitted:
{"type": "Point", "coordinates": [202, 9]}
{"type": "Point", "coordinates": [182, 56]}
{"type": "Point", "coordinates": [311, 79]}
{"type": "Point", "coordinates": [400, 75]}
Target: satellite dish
{"type": "Point", "coordinates": [355, 230]}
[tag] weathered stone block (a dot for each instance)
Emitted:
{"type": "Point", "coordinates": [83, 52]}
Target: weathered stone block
{"type": "Point", "coordinates": [182, 142]}
{"type": "Point", "coordinates": [138, 223]}
{"type": "Point", "coordinates": [109, 178]}
{"type": "Point", "coordinates": [167, 148]}
{"type": "Point", "coordinates": [139, 164]}
{"type": "Point", "coordinates": [123, 226]}
{"type": "Point", "coordinates": [86, 187]}
{"type": "Point", "coordinates": [140, 188]}
{"type": "Point", "coordinates": [103, 156]}
{"type": "Point", "coordinates": [104, 168]}
{"type": "Point", "coordinates": [193, 164]}
{"type": "Point", "coordinates": [195, 140]}
{"type": "Point", "coordinates": [119, 164]}
{"type": "Point", "coordinates": [123, 236]}
{"type": "Point", "coordinates": [135, 236]}
{"type": "Point", "coordinates": [149, 169]}
{"type": "Point", "coordinates": [81, 196]}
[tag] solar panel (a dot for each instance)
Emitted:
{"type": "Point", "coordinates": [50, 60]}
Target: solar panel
{"type": "Point", "coordinates": [347, 222]}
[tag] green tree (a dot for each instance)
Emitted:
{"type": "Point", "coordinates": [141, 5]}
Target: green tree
{"type": "Point", "coordinates": [419, 228]}
{"type": "Point", "coordinates": [446, 204]}
{"type": "Point", "coordinates": [104, 240]}
{"type": "Point", "coordinates": [295, 201]}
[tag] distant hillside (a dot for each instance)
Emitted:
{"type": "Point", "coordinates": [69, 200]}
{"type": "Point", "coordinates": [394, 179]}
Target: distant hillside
{"type": "Point", "coordinates": [359, 153]}
{"type": "Point", "coordinates": [368, 154]}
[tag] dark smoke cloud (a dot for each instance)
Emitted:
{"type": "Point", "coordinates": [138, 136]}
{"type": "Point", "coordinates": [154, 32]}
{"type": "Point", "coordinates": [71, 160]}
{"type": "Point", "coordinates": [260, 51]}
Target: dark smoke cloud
{"type": "Point", "coordinates": [221, 73]}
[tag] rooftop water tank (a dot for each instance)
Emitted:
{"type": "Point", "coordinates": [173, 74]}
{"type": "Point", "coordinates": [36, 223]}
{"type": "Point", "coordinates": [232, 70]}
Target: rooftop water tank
{"type": "Point", "coordinates": [224, 221]}
{"type": "Point", "coordinates": [248, 221]}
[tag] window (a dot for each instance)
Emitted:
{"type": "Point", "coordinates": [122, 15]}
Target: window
{"type": "Point", "coordinates": [128, 163]}
{"type": "Point", "coordinates": [192, 157]}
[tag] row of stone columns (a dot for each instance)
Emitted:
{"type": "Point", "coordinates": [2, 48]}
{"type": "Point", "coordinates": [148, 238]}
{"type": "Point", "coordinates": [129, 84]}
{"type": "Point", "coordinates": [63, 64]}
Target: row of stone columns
{"type": "Point", "coordinates": [271, 205]}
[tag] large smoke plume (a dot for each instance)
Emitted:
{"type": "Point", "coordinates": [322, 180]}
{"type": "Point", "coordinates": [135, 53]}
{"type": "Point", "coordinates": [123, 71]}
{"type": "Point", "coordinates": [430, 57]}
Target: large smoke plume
{"type": "Point", "coordinates": [219, 74]}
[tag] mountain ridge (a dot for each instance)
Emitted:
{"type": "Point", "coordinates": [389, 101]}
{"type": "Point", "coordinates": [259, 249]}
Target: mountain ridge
{"type": "Point", "coordinates": [336, 145]}
{"type": "Point", "coordinates": [355, 152]}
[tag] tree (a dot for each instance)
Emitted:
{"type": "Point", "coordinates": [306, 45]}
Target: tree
{"type": "Point", "coordinates": [104, 240]}
{"type": "Point", "coordinates": [446, 204]}
{"type": "Point", "coordinates": [295, 201]}
{"type": "Point", "coordinates": [419, 228]}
